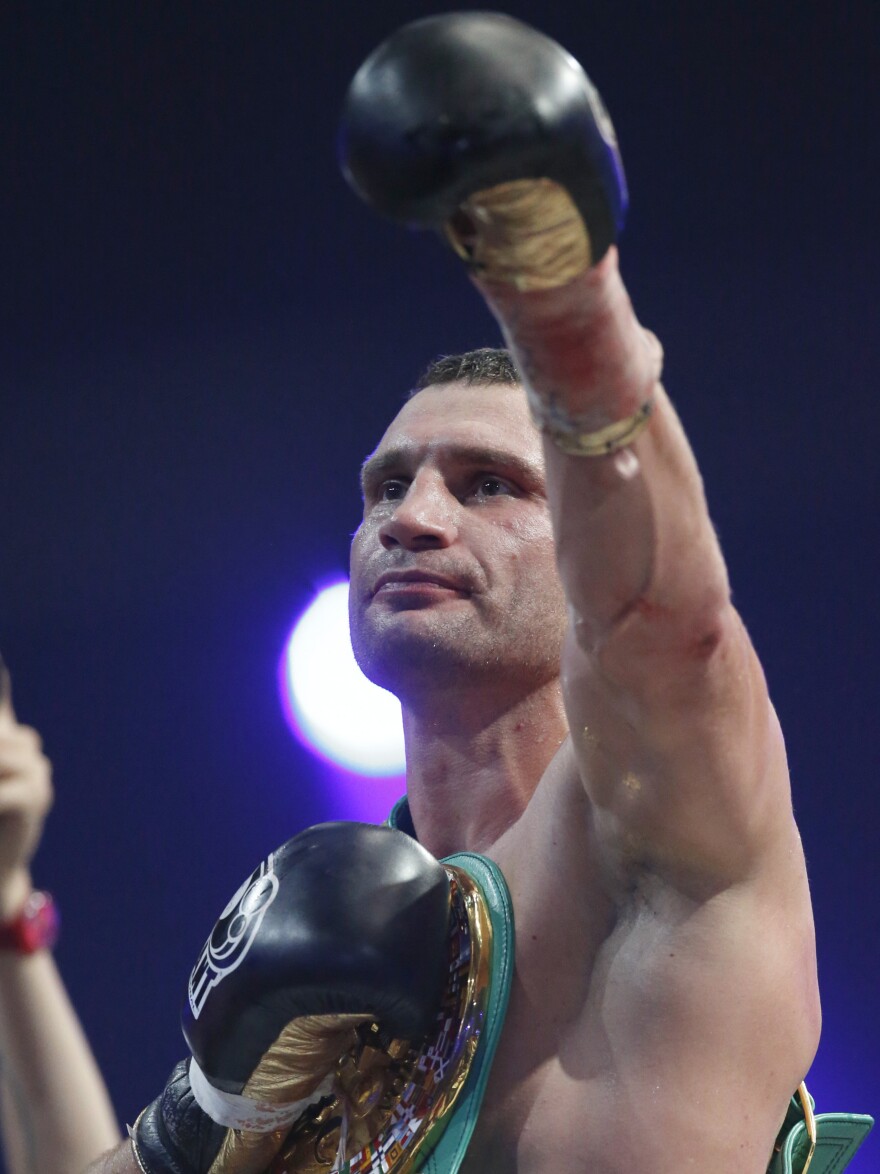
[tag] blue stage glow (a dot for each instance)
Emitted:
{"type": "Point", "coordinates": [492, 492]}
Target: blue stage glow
{"type": "Point", "coordinates": [329, 704]}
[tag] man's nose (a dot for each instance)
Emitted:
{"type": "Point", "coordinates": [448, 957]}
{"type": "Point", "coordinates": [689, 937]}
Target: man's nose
{"type": "Point", "coordinates": [424, 519]}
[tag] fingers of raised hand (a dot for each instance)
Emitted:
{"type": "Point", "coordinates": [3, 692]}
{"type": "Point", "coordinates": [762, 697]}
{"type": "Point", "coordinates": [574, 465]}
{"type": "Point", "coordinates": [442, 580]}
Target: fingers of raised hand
{"type": "Point", "coordinates": [7, 714]}
{"type": "Point", "coordinates": [22, 762]}
{"type": "Point", "coordinates": [25, 795]}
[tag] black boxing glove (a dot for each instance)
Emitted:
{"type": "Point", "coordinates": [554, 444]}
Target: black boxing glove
{"type": "Point", "coordinates": [346, 924]}
{"type": "Point", "coordinates": [454, 104]}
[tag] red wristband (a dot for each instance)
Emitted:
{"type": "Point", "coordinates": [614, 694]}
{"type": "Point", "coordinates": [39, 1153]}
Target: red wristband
{"type": "Point", "coordinates": [35, 928]}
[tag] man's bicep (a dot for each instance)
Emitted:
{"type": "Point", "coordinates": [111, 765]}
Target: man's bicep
{"type": "Point", "coordinates": [678, 745]}
{"type": "Point", "coordinates": [674, 734]}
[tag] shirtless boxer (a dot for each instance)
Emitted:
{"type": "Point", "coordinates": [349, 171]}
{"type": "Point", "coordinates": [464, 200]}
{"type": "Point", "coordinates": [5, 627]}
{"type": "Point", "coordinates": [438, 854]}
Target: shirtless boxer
{"type": "Point", "coordinates": [537, 578]}
{"type": "Point", "coordinates": [56, 1115]}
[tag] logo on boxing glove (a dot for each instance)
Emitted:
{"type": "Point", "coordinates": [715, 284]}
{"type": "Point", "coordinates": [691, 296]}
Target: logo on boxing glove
{"type": "Point", "coordinates": [232, 936]}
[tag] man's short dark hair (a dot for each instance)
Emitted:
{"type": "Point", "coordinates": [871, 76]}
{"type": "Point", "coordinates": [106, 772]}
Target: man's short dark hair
{"type": "Point", "coordinates": [486, 365]}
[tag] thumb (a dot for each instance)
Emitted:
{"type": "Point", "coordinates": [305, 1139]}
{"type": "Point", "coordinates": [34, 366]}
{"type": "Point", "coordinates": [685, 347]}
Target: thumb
{"type": "Point", "coordinates": [7, 713]}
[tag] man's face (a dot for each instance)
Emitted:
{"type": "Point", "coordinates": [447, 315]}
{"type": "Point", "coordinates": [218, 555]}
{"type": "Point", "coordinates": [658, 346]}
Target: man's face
{"type": "Point", "coordinates": [453, 575]}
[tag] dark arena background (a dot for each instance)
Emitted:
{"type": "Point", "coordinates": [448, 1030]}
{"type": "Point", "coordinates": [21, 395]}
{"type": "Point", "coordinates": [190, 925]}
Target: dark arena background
{"type": "Point", "coordinates": [203, 333]}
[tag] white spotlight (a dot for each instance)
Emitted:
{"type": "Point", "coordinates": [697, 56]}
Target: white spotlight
{"type": "Point", "coordinates": [329, 703]}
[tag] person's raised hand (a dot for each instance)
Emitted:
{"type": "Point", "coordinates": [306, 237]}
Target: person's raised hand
{"type": "Point", "coordinates": [25, 799]}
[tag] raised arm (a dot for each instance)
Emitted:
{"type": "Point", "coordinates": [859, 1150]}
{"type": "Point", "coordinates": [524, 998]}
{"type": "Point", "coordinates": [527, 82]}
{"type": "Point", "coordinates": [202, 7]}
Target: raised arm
{"type": "Point", "coordinates": [484, 128]}
{"type": "Point", "coordinates": [56, 1114]}
{"type": "Point", "coordinates": [672, 728]}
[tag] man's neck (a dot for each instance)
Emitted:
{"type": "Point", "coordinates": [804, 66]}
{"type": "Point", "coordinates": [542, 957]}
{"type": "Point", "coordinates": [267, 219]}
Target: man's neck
{"type": "Point", "coordinates": [473, 764]}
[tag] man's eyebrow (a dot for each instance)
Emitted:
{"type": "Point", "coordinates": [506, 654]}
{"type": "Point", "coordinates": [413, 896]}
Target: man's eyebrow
{"type": "Point", "coordinates": [378, 464]}
{"type": "Point", "coordinates": [531, 473]}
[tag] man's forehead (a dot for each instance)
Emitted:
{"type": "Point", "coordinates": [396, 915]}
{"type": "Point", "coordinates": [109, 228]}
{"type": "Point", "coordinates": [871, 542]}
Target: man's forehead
{"type": "Point", "coordinates": [488, 424]}
{"type": "Point", "coordinates": [461, 410]}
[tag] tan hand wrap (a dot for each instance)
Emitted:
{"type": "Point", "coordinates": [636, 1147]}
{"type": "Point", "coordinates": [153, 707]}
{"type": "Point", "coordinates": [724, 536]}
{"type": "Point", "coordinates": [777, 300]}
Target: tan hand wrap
{"type": "Point", "coordinates": [292, 1072]}
{"type": "Point", "coordinates": [530, 255]}
{"type": "Point", "coordinates": [526, 233]}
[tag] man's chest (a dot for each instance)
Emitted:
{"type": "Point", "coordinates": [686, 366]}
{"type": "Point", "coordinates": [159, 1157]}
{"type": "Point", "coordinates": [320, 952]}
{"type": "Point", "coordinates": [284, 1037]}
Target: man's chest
{"type": "Point", "coordinates": [628, 1037]}
{"type": "Point", "coordinates": [584, 1095]}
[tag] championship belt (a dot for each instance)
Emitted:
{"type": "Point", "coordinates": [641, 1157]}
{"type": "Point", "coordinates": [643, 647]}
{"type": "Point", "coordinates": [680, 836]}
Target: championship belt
{"type": "Point", "coordinates": [397, 1109]}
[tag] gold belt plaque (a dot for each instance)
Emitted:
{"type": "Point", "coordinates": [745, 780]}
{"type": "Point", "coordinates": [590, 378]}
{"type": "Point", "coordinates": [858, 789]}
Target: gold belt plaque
{"type": "Point", "coordinates": [389, 1105]}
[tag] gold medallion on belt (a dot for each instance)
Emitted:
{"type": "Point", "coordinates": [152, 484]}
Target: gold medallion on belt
{"type": "Point", "coordinates": [389, 1105]}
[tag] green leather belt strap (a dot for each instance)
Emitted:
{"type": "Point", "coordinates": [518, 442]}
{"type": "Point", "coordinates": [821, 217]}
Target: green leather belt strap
{"type": "Point", "coordinates": [401, 819]}
{"type": "Point", "coordinates": [838, 1138]}
{"type": "Point", "coordinates": [448, 1154]}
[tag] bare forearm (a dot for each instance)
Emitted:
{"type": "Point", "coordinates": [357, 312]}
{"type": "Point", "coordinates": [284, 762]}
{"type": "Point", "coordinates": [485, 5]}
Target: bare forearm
{"type": "Point", "coordinates": [635, 543]}
{"type": "Point", "coordinates": [674, 731]}
{"type": "Point", "coordinates": [632, 528]}
{"type": "Point", "coordinates": [56, 1112]}
{"type": "Point", "coordinates": [121, 1160]}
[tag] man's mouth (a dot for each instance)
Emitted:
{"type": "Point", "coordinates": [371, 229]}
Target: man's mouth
{"type": "Point", "coordinates": [418, 582]}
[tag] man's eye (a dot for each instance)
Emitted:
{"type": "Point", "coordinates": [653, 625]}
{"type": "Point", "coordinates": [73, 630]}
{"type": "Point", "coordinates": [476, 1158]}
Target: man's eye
{"type": "Point", "coordinates": [392, 490]}
{"type": "Point", "coordinates": [492, 487]}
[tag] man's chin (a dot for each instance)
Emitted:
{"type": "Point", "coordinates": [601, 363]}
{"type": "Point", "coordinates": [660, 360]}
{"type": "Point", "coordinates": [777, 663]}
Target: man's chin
{"type": "Point", "coordinates": [416, 652]}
